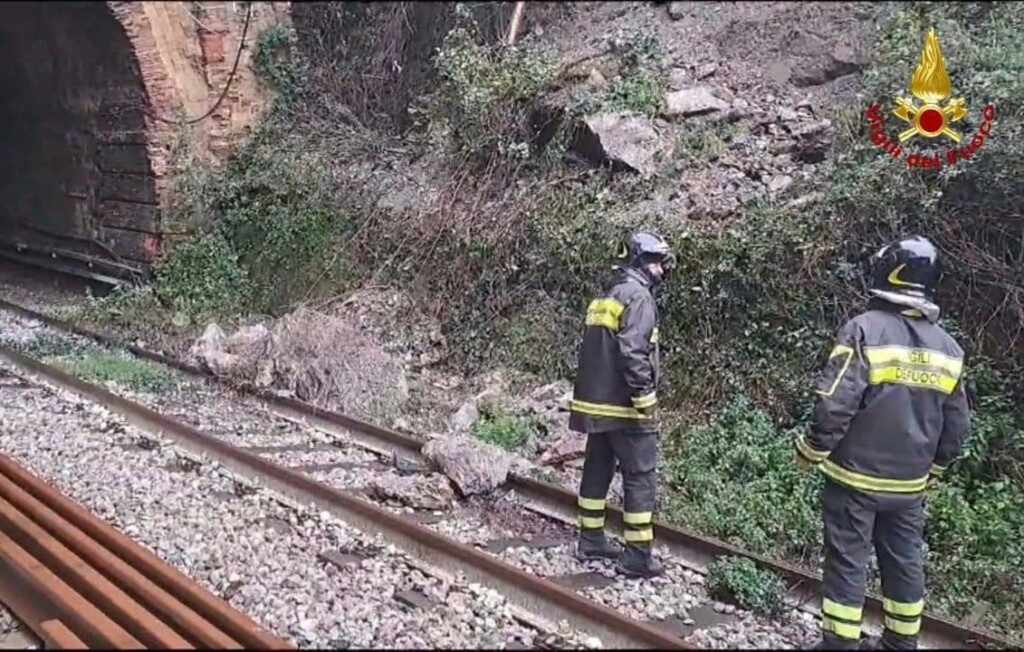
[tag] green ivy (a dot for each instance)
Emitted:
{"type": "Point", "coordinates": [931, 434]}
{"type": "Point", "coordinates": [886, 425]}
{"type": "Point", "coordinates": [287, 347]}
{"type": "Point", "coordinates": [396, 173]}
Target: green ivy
{"type": "Point", "coordinates": [203, 277]}
{"type": "Point", "coordinates": [275, 62]}
{"type": "Point", "coordinates": [739, 581]}
{"type": "Point", "coordinates": [507, 431]}
{"type": "Point", "coordinates": [485, 94]}
{"type": "Point", "coordinates": [734, 479]}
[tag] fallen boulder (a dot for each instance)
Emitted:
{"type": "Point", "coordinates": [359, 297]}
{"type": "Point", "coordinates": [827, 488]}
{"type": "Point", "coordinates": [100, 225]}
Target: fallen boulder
{"type": "Point", "coordinates": [627, 141]}
{"type": "Point", "coordinates": [474, 467]}
{"type": "Point", "coordinates": [692, 101]}
{"type": "Point", "coordinates": [419, 491]}
{"type": "Point", "coordinates": [842, 60]}
{"type": "Point", "coordinates": [319, 357]}
{"type": "Point", "coordinates": [211, 340]}
{"type": "Point", "coordinates": [248, 337]}
{"type": "Point", "coordinates": [464, 418]}
{"type": "Point", "coordinates": [252, 347]}
{"type": "Point", "coordinates": [327, 360]}
{"type": "Point", "coordinates": [209, 352]}
{"type": "Point", "coordinates": [571, 446]}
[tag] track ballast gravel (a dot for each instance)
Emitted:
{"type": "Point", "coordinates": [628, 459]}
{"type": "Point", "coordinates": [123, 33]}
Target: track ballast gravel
{"type": "Point", "coordinates": [243, 421]}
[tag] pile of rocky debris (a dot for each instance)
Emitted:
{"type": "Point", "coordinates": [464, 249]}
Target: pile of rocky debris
{"type": "Point", "coordinates": [750, 95]}
{"type": "Point", "coordinates": [318, 357]}
{"type": "Point", "coordinates": [548, 406]}
{"type": "Point", "coordinates": [475, 467]}
{"type": "Point", "coordinates": [740, 149]}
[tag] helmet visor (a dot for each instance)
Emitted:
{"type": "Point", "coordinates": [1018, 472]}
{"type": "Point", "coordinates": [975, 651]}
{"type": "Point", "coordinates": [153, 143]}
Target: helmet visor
{"type": "Point", "coordinates": [668, 263]}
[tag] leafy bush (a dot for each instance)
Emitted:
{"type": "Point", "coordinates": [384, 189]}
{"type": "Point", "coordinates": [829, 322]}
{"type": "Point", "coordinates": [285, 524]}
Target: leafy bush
{"type": "Point", "coordinates": [739, 581]}
{"type": "Point", "coordinates": [734, 479]}
{"type": "Point", "coordinates": [511, 432]}
{"type": "Point", "coordinates": [274, 60]}
{"type": "Point", "coordinates": [203, 277]}
{"type": "Point", "coordinates": [995, 448]}
{"type": "Point", "coordinates": [638, 91]}
{"type": "Point", "coordinates": [975, 550]}
{"type": "Point", "coordinates": [485, 95]}
{"type": "Point", "coordinates": [637, 87]}
{"type": "Point", "coordinates": [279, 219]}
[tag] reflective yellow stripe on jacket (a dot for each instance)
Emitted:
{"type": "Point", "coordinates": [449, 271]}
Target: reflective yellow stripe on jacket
{"type": "Point", "coordinates": [871, 483]}
{"type": "Point", "coordinates": [605, 410]}
{"type": "Point", "coordinates": [604, 312]}
{"type": "Point", "coordinates": [915, 367]}
{"type": "Point", "coordinates": [645, 401]}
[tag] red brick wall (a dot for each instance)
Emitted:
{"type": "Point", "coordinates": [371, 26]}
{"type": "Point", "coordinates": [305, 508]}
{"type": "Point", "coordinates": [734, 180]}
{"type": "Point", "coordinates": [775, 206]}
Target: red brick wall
{"type": "Point", "coordinates": [208, 39]}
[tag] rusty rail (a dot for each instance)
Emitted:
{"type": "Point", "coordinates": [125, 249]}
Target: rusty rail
{"type": "Point", "coordinates": [528, 591]}
{"type": "Point", "coordinates": [76, 581]}
{"type": "Point", "coordinates": [694, 550]}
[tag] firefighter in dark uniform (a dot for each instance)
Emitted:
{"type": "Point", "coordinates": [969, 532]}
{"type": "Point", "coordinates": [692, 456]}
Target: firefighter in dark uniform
{"type": "Point", "coordinates": [614, 402]}
{"type": "Point", "coordinates": [892, 414]}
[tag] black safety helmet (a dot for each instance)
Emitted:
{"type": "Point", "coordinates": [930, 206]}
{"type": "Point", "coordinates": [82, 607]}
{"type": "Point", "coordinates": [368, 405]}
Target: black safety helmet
{"type": "Point", "coordinates": [645, 247]}
{"type": "Point", "coordinates": [910, 267]}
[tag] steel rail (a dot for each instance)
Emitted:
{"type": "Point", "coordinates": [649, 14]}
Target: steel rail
{"type": "Point", "coordinates": [530, 592]}
{"type": "Point", "coordinates": [17, 487]}
{"type": "Point", "coordinates": [76, 581]}
{"type": "Point", "coordinates": [694, 550]}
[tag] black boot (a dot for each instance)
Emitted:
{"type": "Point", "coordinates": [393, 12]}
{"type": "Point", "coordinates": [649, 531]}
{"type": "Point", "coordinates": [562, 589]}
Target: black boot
{"type": "Point", "coordinates": [636, 560]}
{"type": "Point", "coordinates": [830, 641]}
{"type": "Point", "coordinates": [593, 544]}
{"type": "Point", "coordinates": [892, 641]}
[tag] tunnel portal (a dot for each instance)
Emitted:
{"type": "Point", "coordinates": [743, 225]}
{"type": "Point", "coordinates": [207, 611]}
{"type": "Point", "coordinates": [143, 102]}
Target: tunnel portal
{"type": "Point", "coordinates": [75, 175]}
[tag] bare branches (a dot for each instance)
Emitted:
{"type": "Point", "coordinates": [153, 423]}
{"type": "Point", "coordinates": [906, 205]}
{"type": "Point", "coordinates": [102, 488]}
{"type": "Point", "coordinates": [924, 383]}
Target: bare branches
{"type": "Point", "coordinates": [517, 19]}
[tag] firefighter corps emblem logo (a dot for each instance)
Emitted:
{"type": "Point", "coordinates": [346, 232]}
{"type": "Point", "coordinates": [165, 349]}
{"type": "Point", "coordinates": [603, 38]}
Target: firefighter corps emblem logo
{"type": "Point", "coordinates": [933, 117]}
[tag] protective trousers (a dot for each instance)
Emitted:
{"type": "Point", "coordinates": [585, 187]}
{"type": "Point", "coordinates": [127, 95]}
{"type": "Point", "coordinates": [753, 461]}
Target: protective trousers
{"type": "Point", "coordinates": [636, 453]}
{"type": "Point", "coordinates": [893, 523]}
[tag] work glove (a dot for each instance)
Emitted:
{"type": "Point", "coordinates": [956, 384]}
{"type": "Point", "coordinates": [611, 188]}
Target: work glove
{"type": "Point", "coordinates": [648, 411]}
{"type": "Point", "coordinates": [801, 462]}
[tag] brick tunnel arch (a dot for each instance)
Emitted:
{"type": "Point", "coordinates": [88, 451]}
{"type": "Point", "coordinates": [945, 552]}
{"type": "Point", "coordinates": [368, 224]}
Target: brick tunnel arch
{"type": "Point", "coordinates": [75, 170]}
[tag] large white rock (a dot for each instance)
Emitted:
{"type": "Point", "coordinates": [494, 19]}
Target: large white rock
{"type": "Point", "coordinates": [474, 467]}
{"type": "Point", "coordinates": [692, 101]}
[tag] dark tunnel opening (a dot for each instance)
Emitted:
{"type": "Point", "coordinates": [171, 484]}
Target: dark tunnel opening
{"type": "Point", "coordinates": [75, 176]}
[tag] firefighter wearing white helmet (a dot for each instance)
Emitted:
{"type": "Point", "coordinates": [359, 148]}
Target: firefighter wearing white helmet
{"type": "Point", "coordinates": [614, 402]}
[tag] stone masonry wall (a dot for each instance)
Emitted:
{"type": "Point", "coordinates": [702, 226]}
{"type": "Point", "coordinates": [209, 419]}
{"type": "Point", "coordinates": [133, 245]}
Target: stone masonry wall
{"type": "Point", "coordinates": [185, 53]}
{"type": "Point", "coordinates": [97, 100]}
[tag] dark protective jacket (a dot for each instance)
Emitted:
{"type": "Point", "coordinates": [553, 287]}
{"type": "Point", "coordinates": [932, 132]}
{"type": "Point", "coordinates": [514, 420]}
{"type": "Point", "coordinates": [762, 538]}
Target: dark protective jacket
{"type": "Point", "coordinates": [893, 408]}
{"type": "Point", "coordinates": [617, 372]}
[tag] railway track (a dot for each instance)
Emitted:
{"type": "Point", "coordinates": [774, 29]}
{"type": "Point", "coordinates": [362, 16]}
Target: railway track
{"type": "Point", "coordinates": [76, 582]}
{"type": "Point", "coordinates": [532, 594]}
{"type": "Point", "coordinates": [691, 550]}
